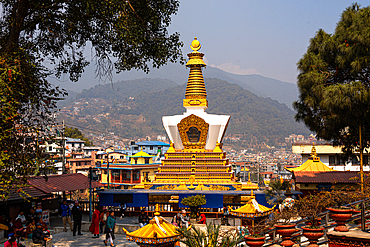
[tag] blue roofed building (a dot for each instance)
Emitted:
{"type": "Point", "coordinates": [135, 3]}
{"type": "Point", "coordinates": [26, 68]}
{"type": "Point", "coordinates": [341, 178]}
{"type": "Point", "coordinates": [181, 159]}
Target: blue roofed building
{"type": "Point", "coordinates": [155, 148]}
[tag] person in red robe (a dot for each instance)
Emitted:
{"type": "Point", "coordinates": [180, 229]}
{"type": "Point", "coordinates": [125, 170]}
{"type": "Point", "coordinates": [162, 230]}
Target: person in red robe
{"type": "Point", "coordinates": [94, 227]}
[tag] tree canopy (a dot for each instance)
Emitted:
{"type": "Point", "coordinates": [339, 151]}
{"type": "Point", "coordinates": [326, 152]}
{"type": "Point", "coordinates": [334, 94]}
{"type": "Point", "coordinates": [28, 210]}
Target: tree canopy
{"type": "Point", "coordinates": [76, 133]}
{"type": "Point", "coordinates": [52, 38]}
{"type": "Point", "coordinates": [334, 81]}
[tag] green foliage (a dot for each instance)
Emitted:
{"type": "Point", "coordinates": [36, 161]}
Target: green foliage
{"type": "Point", "coordinates": [334, 81]}
{"type": "Point", "coordinates": [212, 237]}
{"type": "Point", "coordinates": [275, 191]}
{"type": "Point", "coordinates": [76, 133]}
{"type": "Point", "coordinates": [27, 103]}
{"type": "Point", "coordinates": [47, 38]}
{"type": "Point", "coordinates": [194, 201]}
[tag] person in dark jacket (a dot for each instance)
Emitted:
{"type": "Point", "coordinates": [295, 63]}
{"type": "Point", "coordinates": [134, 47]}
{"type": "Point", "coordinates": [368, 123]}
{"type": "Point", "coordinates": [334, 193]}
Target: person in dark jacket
{"type": "Point", "coordinates": [143, 218]}
{"type": "Point", "coordinates": [38, 235]}
{"type": "Point", "coordinates": [77, 218]}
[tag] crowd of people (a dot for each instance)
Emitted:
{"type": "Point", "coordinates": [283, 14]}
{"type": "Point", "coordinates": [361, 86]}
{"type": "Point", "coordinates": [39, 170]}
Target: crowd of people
{"type": "Point", "coordinates": [30, 227]}
{"type": "Point", "coordinates": [103, 222]}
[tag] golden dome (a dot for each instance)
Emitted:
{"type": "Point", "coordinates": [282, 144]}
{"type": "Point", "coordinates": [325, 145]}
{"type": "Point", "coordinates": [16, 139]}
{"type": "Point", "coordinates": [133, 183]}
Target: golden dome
{"type": "Point", "coordinates": [158, 231]}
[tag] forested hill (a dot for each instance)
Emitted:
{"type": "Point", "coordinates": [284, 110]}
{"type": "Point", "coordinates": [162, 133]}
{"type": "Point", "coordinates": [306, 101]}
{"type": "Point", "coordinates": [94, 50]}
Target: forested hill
{"type": "Point", "coordinates": [109, 108]}
{"type": "Point", "coordinates": [263, 118]}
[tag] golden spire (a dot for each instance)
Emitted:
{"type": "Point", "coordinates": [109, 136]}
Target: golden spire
{"type": "Point", "coordinates": [195, 94]}
{"type": "Point", "coordinates": [313, 150]}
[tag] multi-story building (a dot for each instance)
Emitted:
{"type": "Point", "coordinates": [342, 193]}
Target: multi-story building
{"type": "Point", "coordinates": [155, 148]}
{"type": "Point", "coordinates": [331, 156]}
{"type": "Point", "coordinates": [125, 175]}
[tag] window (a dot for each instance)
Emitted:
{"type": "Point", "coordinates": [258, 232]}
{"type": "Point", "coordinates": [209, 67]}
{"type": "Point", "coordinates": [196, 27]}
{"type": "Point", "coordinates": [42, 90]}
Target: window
{"type": "Point", "coordinates": [151, 147]}
{"type": "Point", "coordinates": [50, 148]}
{"type": "Point", "coordinates": [331, 160]}
{"type": "Point", "coordinates": [366, 160]}
{"type": "Point", "coordinates": [136, 148]}
{"type": "Point", "coordinates": [146, 160]}
{"type": "Point", "coordinates": [193, 134]}
{"type": "Point", "coordinates": [121, 157]}
{"type": "Point", "coordinates": [73, 145]}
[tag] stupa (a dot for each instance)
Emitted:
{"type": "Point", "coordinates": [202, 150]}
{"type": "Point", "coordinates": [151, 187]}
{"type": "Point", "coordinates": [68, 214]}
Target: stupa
{"type": "Point", "coordinates": [195, 159]}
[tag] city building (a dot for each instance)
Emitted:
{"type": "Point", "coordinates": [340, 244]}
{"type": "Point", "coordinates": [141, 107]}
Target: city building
{"type": "Point", "coordinates": [125, 175]}
{"type": "Point", "coordinates": [331, 156]}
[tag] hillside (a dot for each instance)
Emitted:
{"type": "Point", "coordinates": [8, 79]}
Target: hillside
{"type": "Point", "coordinates": [108, 109]}
{"type": "Point", "coordinates": [283, 92]}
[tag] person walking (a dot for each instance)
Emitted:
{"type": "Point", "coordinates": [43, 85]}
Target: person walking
{"type": "Point", "coordinates": [184, 219]}
{"type": "Point", "coordinates": [103, 219]}
{"type": "Point", "coordinates": [66, 215]}
{"type": "Point", "coordinates": [94, 227]}
{"type": "Point", "coordinates": [109, 229]}
{"type": "Point", "coordinates": [77, 218]}
{"type": "Point", "coordinates": [122, 208]}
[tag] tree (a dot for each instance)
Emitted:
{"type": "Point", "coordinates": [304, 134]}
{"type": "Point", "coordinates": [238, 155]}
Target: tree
{"type": "Point", "coordinates": [194, 202]}
{"type": "Point", "coordinates": [48, 38]}
{"type": "Point", "coordinates": [334, 83]}
{"type": "Point", "coordinates": [275, 191]}
{"type": "Point", "coordinates": [76, 133]}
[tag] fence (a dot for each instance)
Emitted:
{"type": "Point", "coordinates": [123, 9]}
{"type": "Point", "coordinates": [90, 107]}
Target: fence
{"type": "Point", "coordinates": [361, 214]}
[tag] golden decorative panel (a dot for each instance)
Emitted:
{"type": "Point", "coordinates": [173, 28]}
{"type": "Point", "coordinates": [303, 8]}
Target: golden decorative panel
{"type": "Point", "coordinates": [191, 122]}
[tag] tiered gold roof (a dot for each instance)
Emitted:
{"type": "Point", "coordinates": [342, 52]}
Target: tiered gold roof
{"type": "Point", "coordinates": [313, 164]}
{"type": "Point", "coordinates": [195, 94]}
{"type": "Point", "coordinates": [158, 231]}
{"type": "Point", "coordinates": [251, 209]}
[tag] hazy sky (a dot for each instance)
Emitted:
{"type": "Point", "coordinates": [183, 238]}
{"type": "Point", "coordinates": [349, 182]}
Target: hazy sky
{"type": "Point", "coordinates": [256, 37]}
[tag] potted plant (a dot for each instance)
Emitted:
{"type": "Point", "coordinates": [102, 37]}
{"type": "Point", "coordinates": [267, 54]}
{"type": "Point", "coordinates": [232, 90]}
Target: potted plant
{"type": "Point", "coordinates": [338, 212]}
{"type": "Point", "coordinates": [194, 203]}
{"type": "Point", "coordinates": [284, 227]}
{"type": "Point", "coordinates": [256, 238]}
{"type": "Point", "coordinates": [309, 209]}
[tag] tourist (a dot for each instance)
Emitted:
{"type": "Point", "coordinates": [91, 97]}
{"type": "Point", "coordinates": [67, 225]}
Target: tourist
{"type": "Point", "coordinates": [143, 218]}
{"type": "Point", "coordinates": [94, 227]}
{"type": "Point", "coordinates": [22, 217]}
{"type": "Point", "coordinates": [203, 219]}
{"type": "Point", "coordinates": [30, 229]}
{"type": "Point", "coordinates": [109, 229]}
{"type": "Point", "coordinates": [43, 224]}
{"type": "Point", "coordinates": [32, 216]}
{"type": "Point", "coordinates": [103, 219]}
{"type": "Point", "coordinates": [122, 209]}
{"type": "Point", "coordinates": [176, 220]}
{"type": "Point", "coordinates": [77, 218]}
{"type": "Point", "coordinates": [38, 235]}
{"type": "Point", "coordinates": [66, 215]}
{"type": "Point", "coordinates": [11, 241]}
{"type": "Point", "coordinates": [184, 219]}
{"type": "Point", "coordinates": [19, 230]}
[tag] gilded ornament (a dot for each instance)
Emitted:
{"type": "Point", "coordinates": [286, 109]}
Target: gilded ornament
{"type": "Point", "coordinates": [189, 122]}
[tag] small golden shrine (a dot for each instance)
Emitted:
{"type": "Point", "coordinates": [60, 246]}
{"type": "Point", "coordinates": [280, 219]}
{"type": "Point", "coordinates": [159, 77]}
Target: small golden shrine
{"type": "Point", "coordinates": [252, 209]}
{"type": "Point", "coordinates": [158, 232]}
{"type": "Point", "coordinates": [195, 159]}
{"type": "Point", "coordinates": [313, 164]}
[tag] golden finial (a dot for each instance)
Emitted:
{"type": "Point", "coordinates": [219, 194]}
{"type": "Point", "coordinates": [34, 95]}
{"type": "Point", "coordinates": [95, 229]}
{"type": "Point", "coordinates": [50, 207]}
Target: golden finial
{"type": "Point", "coordinates": [195, 44]}
{"type": "Point", "coordinates": [157, 210]}
{"type": "Point", "coordinates": [252, 195]}
{"type": "Point", "coordinates": [313, 150]}
{"type": "Point", "coordinates": [195, 94]}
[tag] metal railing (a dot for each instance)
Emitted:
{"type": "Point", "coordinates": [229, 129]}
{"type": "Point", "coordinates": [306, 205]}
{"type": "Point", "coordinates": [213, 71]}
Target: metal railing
{"type": "Point", "coordinates": [326, 223]}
